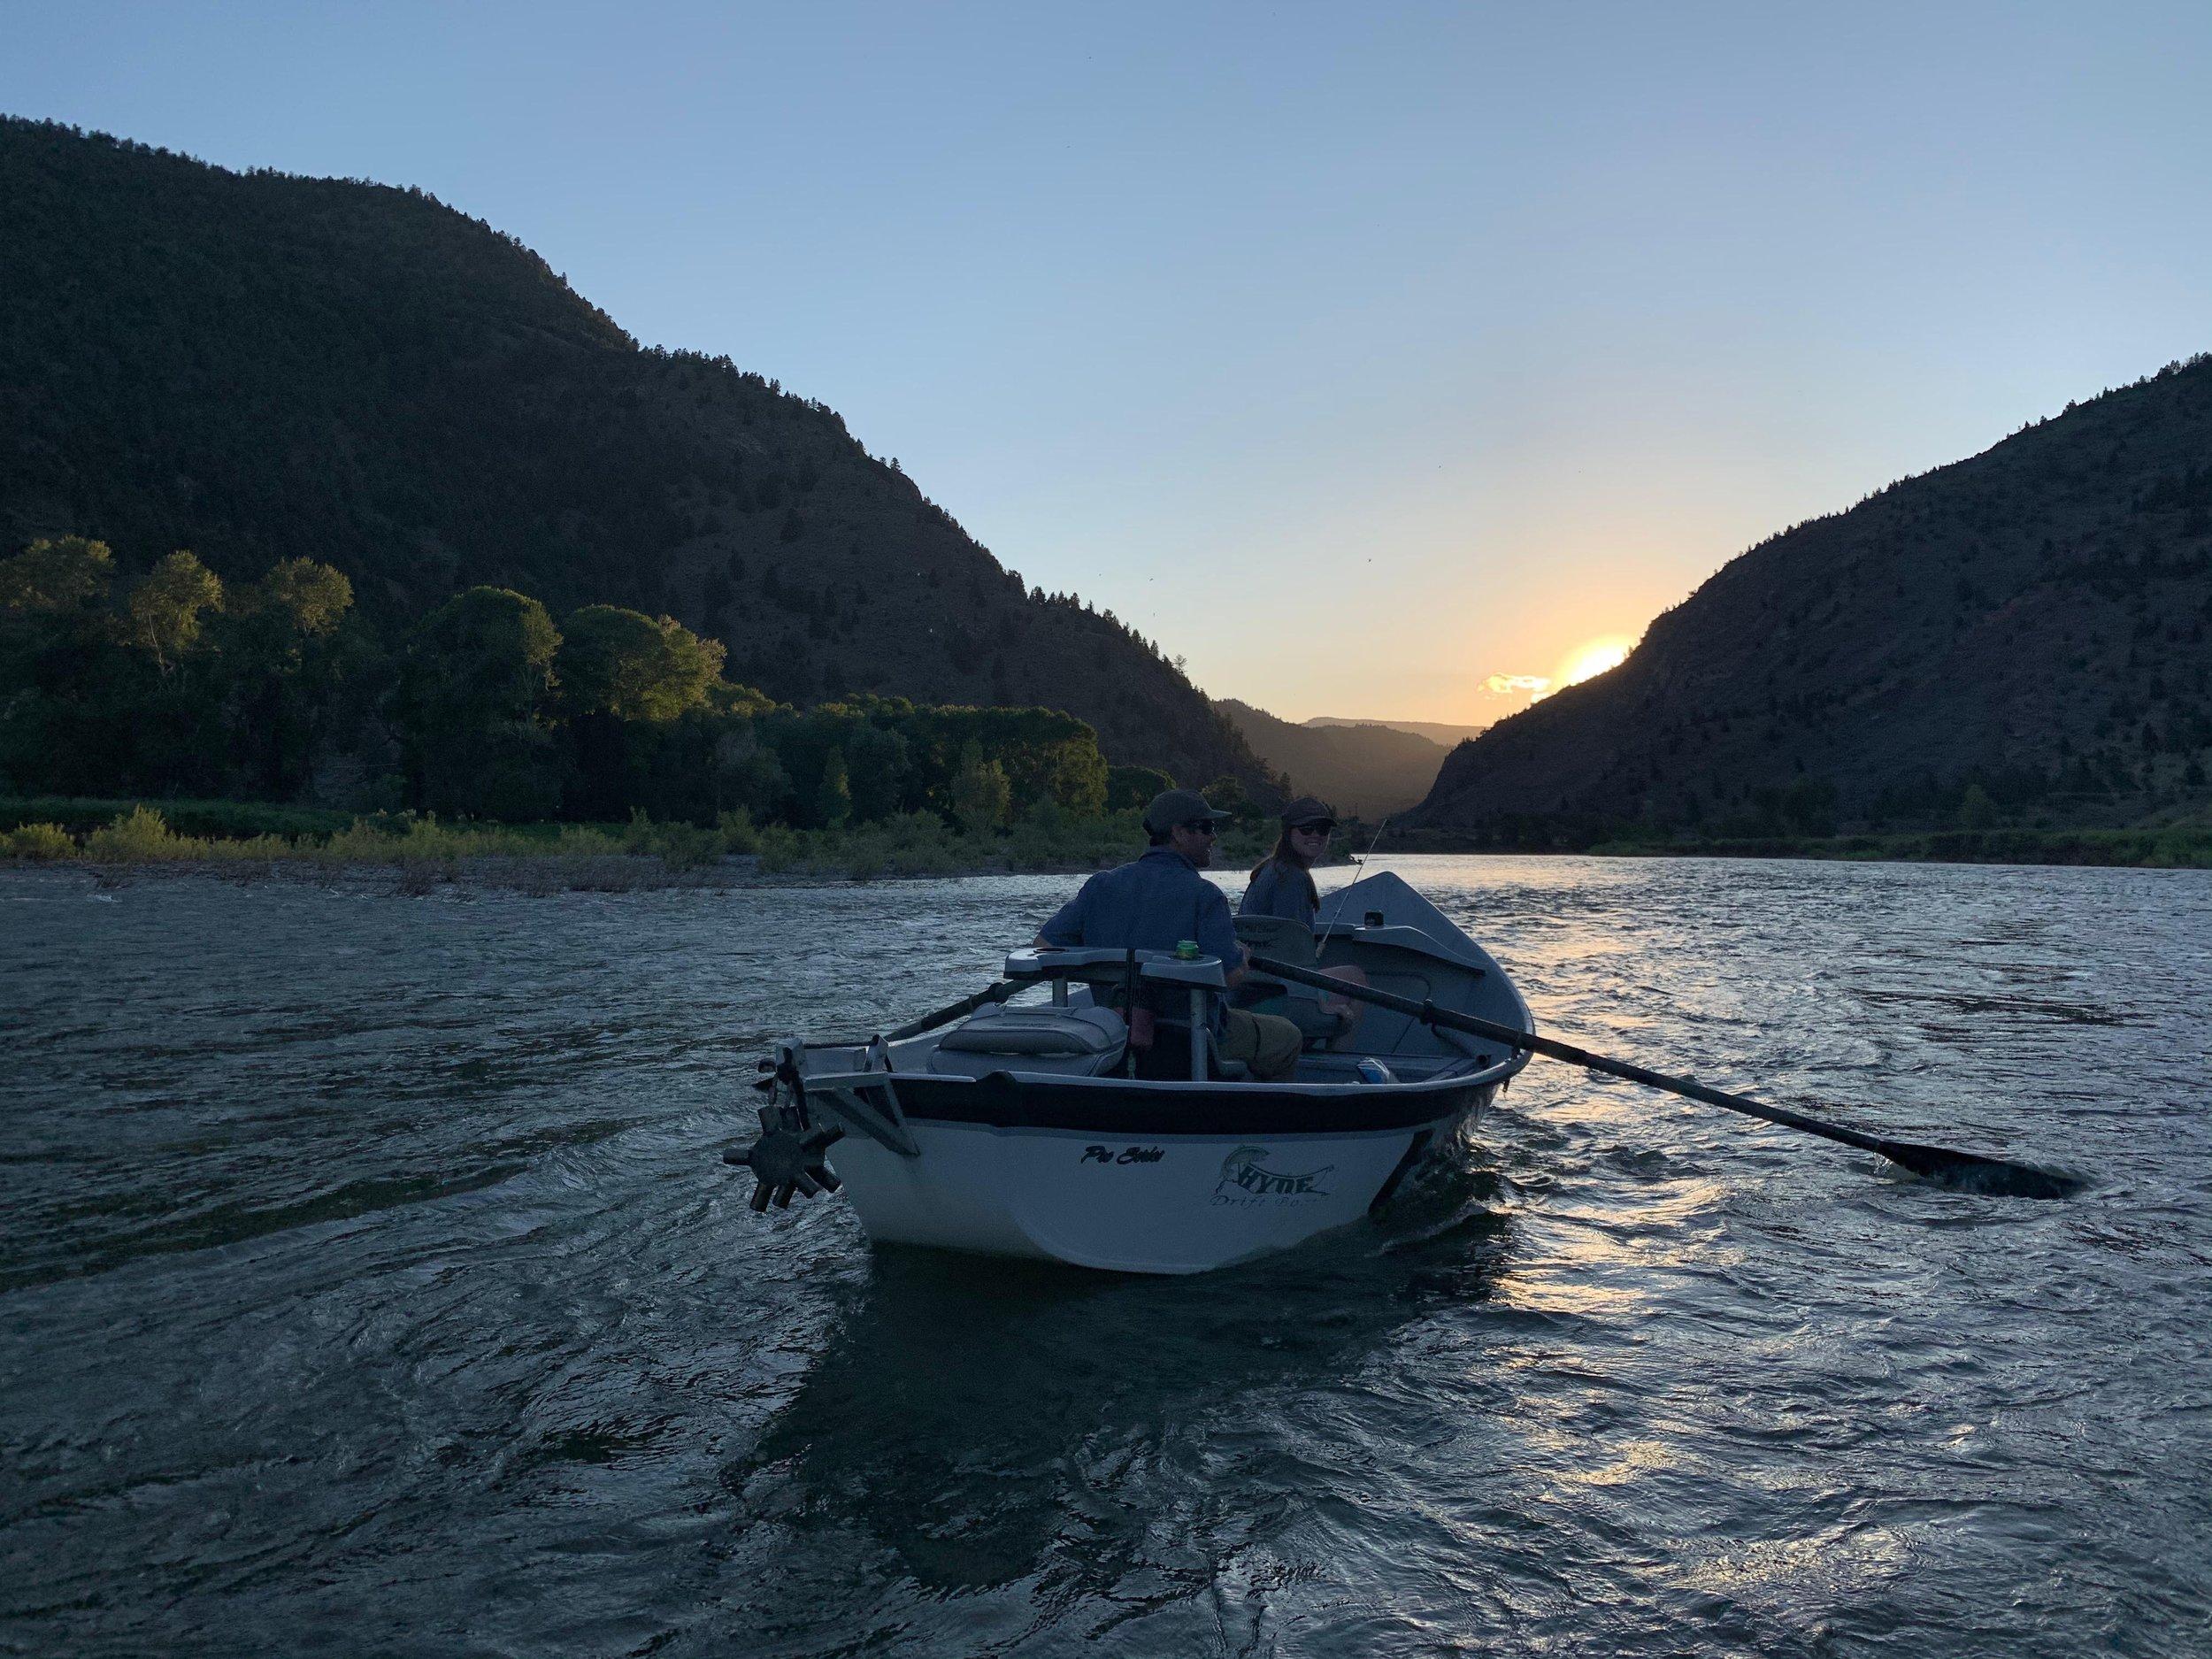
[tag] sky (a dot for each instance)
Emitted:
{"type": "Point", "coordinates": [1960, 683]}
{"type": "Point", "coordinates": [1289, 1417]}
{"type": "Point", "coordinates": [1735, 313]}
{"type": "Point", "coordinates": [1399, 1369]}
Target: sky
{"type": "Point", "coordinates": [1362, 355]}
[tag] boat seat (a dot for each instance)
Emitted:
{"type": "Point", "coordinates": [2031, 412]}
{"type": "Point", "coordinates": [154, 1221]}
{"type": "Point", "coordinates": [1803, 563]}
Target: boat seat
{"type": "Point", "coordinates": [1168, 1058]}
{"type": "Point", "coordinates": [1072, 1042]}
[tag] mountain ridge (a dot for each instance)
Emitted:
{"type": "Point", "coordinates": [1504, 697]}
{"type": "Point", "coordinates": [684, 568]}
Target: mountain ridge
{"type": "Point", "coordinates": [2023, 631]}
{"type": "Point", "coordinates": [258, 366]}
{"type": "Point", "coordinates": [1444, 734]}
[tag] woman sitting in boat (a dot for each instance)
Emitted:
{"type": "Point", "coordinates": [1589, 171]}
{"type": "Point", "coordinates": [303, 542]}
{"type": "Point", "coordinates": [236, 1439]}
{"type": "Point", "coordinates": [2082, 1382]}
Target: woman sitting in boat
{"type": "Point", "coordinates": [1282, 882]}
{"type": "Point", "coordinates": [1282, 886]}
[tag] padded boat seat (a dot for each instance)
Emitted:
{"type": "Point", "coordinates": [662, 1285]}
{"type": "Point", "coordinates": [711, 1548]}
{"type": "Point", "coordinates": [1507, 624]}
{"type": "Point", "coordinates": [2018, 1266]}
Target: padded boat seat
{"type": "Point", "coordinates": [1073, 1041]}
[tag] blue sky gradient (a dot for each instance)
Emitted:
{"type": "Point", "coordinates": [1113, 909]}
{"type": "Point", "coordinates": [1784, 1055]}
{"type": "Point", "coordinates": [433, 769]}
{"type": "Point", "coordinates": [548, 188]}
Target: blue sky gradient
{"type": "Point", "coordinates": [1355, 353]}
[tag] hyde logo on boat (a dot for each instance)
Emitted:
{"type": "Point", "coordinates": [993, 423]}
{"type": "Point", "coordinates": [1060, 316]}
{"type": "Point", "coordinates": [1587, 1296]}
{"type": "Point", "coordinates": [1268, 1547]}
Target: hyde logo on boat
{"type": "Point", "coordinates": [1245, 1179]}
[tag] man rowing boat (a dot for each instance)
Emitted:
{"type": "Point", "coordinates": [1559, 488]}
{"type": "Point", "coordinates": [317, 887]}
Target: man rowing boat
{"type": "Point", "coordinates": [1156, 901]}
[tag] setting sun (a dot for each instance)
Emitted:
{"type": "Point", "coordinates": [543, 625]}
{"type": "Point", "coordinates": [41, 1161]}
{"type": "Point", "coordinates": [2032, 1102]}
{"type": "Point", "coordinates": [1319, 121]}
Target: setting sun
{"type": "Point", "coordinates": [1587, 661]}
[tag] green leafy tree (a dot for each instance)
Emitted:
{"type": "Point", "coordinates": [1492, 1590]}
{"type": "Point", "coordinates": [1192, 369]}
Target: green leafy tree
{"type": "Point", "coordinates": [1131, 788]}
{"type": "Point", "coordinates": [633, 667]}
{"type": "Point", "coordinates": [833, 801]}
{"type": "Point", "coordinates": [1041, 751]}
{"type": "Point", "coordinates": [744, 701]}
{"type": "Point", "coordinates": [1228, 793]}
{"type": "Point", "coordinates": [471, 706]}
{"type": "Point", "coordinates": [65, 573]}
{"type": "Point", "coordinates": [627, 681]}
{"type": "Point", "coordinates": [1075, 774]}
{"type": "Point", "coordinates": [66, 690]}
{"type": "Point", "coordinates": [1977, 811]}
{"type": "Point", "coordinates": [739, 773]}
{"type": "Point", "coordinates": [980, 792]}
{"type": "Point", "coordinates": [310, 598]}
{"type": "Point", "coordinates": [293, 671]}
{"type": "Point", "coordinates": [761, 786]}
{"type": "Point", "coordinates": [162, 613]}
{"type": "Point", "coordinates": [876, 755]}
{"type": "Point", "coordinates": [89, 703]}
{"type": "Point", "coordinates": [483, 656]}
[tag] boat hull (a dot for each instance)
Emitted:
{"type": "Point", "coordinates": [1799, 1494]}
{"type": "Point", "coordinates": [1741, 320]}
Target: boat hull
{"type": "Point", "coordinates": [1171, 1181]}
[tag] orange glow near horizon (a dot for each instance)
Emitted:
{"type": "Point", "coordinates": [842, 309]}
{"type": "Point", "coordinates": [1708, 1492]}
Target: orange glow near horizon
{"type": "Point", "coordinates": [1587, 661]}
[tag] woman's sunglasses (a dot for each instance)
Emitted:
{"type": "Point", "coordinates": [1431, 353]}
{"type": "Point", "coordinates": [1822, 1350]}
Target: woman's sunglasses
{"type": "Point", "coordinates": [1315, 829]}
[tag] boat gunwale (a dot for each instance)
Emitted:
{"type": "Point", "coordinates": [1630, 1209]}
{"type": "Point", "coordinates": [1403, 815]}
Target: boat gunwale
{"type": "Point", "coordinates": [1232, 1088]}
{"type": "Point", "coordinates": [1132, 1106]}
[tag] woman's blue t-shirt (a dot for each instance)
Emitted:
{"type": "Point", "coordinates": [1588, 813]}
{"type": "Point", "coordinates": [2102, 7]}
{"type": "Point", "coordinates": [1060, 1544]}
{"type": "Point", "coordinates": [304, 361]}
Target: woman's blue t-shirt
{"type": "Point", "coordinates": [1279, 890]}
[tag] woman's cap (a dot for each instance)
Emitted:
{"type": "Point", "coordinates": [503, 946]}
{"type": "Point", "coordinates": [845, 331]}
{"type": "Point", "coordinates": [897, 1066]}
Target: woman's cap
{"type": "Point", "coordinates": [1306, 809]}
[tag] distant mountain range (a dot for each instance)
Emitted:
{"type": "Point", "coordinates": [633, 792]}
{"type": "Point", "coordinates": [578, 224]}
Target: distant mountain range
{"type": "Point", "coordinates": [259, 367]}
{"type": "Point", "coordinates": [2020, 635]}
{"type": "Point", "coordinates": [1365, 769]}
{"type": "Point", "coordinates": [1436, 731]}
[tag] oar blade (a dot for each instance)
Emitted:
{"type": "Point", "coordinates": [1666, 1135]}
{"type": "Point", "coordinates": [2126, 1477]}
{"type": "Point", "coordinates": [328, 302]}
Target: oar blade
{"type": "Point", "coordinates": [1971, 1172]}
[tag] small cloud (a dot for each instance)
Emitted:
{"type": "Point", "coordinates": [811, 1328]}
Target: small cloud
{"type": "Point", "coordinates": [1535, 685]}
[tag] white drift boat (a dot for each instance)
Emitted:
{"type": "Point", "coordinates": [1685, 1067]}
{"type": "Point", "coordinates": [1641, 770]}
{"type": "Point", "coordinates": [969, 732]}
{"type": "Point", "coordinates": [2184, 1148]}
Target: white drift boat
{"type": "Point", "coordinates": [1036, 1127]}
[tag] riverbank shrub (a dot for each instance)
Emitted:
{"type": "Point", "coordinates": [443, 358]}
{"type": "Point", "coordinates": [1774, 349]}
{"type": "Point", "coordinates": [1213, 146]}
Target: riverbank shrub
{"type": "Point", "coordinates": [739, 836]}
{"type": "Point", "coordinates": [141, 835]}
{"type": "Point", "coordinates": [40, 842]}
{"type": "Point", "coordinates": [80, 815]}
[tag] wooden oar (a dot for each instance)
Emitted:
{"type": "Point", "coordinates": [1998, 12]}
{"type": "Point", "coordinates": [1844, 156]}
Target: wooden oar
{"type": "Point", "coordinates": [2000, 1177]}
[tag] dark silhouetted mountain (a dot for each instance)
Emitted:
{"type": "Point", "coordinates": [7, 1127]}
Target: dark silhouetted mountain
{"type": "Point", "coordinates": [2022, 635]}
{"type": "Point", "coordinates": [1367, 769]}
{"type": "Point", "coordinates": [258, 366]}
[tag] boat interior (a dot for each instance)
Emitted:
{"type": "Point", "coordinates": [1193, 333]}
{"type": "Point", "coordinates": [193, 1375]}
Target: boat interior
{"type": "Point", "coordinates": [1071, 1016]}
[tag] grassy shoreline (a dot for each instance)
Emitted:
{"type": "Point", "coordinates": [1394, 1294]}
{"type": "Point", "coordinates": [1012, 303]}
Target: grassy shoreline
{"type": "Point", "coordinates": [246, 840]}
{"type": "Point", "coordinates": [238, 842]}
{"type": "Point", "coordinates": [2180, 845]}
{"type": "Point", "coordinates": [2172, 847]}
{"type": "Point", "coordinates": [2116, 849]}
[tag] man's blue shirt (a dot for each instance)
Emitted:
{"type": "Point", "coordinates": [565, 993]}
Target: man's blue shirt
{"type": "Point", "coordinates": [1153, 903]}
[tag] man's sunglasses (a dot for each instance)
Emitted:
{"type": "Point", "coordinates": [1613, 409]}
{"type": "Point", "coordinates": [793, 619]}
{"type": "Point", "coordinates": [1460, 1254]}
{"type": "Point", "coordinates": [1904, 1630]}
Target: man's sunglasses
{"type": "Point", "coordinates": [1326, 827]}
{"type": "Point", "coordinates": [1200, 826]}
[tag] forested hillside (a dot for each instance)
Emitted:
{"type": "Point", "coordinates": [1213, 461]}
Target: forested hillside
{"type": "Point", "coordinates": [261, 368]}
{"type": "Point", "coordinates": [2023, 637]}
{"type": "Point", "coordinates": [175, 684]}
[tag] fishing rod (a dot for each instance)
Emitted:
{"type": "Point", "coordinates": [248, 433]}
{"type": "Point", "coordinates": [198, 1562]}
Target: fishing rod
{"type": "Point", "coordinates": [1359, 874]}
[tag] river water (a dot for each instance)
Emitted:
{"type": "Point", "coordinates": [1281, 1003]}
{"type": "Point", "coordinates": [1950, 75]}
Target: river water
{"type": "Point", "coordinates": [371, 1285]}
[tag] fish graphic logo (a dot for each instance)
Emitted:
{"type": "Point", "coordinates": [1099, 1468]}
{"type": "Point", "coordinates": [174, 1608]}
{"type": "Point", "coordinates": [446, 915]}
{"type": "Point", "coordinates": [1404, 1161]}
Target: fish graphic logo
{"type": "Point", "coordinates": [1246, 1171]}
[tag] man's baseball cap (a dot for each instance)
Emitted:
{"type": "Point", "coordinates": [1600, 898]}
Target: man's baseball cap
{"type": "Point", "coordinates": [1179, 806]}
{"type": "Point", "coordinates": [1307, 809]}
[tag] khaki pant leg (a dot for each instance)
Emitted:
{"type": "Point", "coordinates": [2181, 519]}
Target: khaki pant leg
{"type": "Point", "coordinates": [1267, 1043]}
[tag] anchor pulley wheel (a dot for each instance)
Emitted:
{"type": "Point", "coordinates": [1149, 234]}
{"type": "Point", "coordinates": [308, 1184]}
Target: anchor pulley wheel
{"type": "Point", "coordinates": [787, 1158]}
